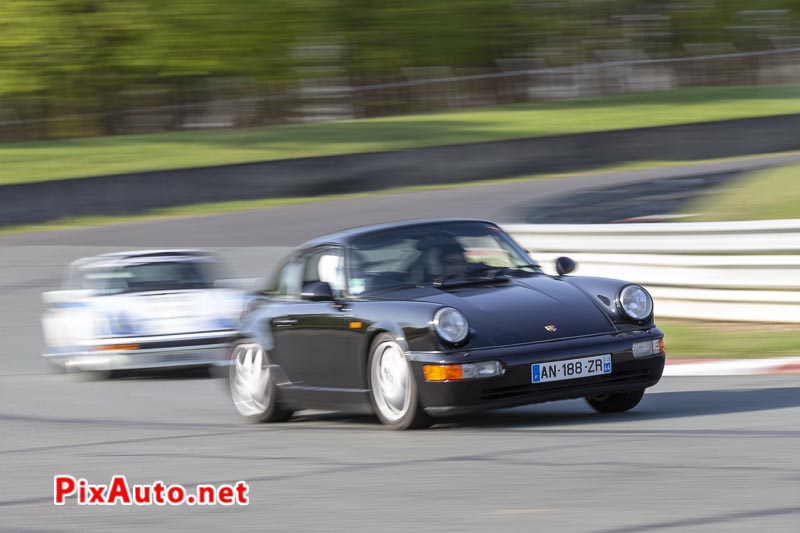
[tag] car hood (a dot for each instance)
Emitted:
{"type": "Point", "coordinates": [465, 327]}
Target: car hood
{"type": "Point", "coordinates": [521, 310]}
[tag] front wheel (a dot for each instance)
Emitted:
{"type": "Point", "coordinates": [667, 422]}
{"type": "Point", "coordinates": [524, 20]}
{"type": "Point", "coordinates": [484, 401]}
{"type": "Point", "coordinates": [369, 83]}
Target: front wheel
{"type": "Point", "coordinates": [252, 386]}
{"type": "Point", "coordinates": [393, 388]}
{"type": "Point", "coordinates": [616, 402]}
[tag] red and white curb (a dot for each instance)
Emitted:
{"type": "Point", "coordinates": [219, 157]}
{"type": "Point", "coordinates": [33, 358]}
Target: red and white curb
{"type": "Point", "coordinates": [731, 367]}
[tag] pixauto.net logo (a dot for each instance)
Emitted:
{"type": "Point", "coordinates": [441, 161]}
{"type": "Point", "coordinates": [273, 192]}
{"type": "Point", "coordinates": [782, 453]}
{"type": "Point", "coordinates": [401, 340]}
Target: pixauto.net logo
{"type": "Point", "coordinates": [119, 492]}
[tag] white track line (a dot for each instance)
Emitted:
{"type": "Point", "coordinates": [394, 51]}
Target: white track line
{"type": "Point", "coordinates": [733, 367]}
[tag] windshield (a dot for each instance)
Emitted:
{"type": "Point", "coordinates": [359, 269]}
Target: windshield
{"type": "Point", "coordinates": [151, 276]}
{"type": "Point", "coordinates": [432, 253]}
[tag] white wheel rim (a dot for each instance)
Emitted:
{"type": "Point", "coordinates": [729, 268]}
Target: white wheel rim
{"type": "Point", "coordinates": [390, 381]}
{"type": "Point", "coordinates": [249, 379]}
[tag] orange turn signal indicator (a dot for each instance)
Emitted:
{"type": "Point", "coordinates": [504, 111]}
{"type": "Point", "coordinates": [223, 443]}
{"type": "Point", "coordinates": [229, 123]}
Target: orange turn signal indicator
{"type": "Point", "coordinates": [356, 325]}
{"type": "Point", "coordinates": [442, 372]}
{"type": "Point", "coordinates": [480, 369]}
{"type": "Point", "coordinates": [117, 347]}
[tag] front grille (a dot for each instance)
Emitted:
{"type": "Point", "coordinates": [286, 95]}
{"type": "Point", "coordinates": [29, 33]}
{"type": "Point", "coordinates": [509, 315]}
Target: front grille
{"type": "Point", "coordinates": [514, 391]}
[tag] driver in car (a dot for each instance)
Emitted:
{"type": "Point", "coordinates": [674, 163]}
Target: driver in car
{"type": "Point", "coordinates": [454, 260]}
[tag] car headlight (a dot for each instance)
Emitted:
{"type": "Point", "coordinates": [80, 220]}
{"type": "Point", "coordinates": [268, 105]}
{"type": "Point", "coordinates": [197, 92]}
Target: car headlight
{"type": "Point", "coordinates": [635, 302]}
{"type": "Point", "coordinates": [450, 325]}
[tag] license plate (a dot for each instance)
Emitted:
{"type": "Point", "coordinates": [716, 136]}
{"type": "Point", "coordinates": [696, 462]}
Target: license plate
{"type": "Point", "coordinates": [571, 368]}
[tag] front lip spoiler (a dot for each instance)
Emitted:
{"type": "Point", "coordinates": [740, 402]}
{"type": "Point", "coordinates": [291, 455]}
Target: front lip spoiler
{"type": "Point", "coordinates": [167, 338]}
{"type": "Point", "coordinates": [185, 341]}
{"type": "Point", "coordinates": [197, 355]}
{"type": "Point", "coordinates": [572, 393]}
{"type": "Point", "coordinates": [156, 351]}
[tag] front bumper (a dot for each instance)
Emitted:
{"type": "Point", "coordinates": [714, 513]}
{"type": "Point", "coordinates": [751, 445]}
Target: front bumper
{"type": "Point", "coordinates": [515, 386]}
{"type": "Point", "coordinates": [155, 352]}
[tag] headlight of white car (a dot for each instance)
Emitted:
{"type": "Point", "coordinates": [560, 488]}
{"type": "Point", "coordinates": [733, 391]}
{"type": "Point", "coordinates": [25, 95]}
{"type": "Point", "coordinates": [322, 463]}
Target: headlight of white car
{"type": "Point", "coordinates": [635, 302]}
{"type": "Point", "coordinates": [450, 325]}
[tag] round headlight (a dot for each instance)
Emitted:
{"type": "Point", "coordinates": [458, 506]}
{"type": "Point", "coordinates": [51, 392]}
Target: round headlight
{"type": "Point", "coordinates": [450, 325]}
{"type": "Point", "coordinates": [635, 302]}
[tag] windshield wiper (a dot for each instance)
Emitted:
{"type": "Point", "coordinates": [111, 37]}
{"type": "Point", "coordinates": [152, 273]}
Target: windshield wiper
{"type": "Point", "coordinates": [484, 276]}
{"type": "Point", "coordinates": [535, 269]}
{"type": "Point", "coordinates": [493, 271]}
{"type": "Point", "coordinates": [505, 271]}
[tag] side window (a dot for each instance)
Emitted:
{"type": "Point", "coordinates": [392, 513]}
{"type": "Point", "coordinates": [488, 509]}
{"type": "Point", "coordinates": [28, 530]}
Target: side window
{"type": "Point", "coordinates": [325, 264]}
{"type": "Point", "coordinates": [288, 286]}
{"type": "Point", "coordinates": [104, 280]}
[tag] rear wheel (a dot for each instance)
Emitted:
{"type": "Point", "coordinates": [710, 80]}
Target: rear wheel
{"type": "Point", "coordinates": [393, 388]}
{"type": "Point", "coordinates": [252, 386]}
{"type": "Point", "coordinates": [616, 402]}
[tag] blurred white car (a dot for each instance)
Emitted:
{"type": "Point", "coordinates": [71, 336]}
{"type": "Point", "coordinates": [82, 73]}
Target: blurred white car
{"type": "Point", "coordinates": [141, 310]}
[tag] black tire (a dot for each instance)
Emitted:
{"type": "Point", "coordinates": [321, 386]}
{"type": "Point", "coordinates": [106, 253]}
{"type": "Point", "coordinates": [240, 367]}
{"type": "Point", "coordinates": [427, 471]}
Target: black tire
{"type": "Point", "coordinates": [616, 402]}
{"type": "Point", "coordinates": [411, 415]}
{"type": "Point", "coordinates": [267, 406]}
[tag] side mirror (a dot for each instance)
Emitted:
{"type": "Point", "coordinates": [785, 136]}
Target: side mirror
{"type": "Point", "coordinates": [564, 265]}
{"type": "Point", "coordinates": [317, 291]}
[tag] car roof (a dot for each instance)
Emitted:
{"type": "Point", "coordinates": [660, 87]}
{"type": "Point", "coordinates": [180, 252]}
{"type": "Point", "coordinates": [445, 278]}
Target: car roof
{"type": "Point", "coordinates": [116, 258]}
{"type": "Point", "coordinates": [344, 237]}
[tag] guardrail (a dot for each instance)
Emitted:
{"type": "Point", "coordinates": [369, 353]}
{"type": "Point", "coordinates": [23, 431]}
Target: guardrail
{"type": "Point", "coordinates": [732, 271]}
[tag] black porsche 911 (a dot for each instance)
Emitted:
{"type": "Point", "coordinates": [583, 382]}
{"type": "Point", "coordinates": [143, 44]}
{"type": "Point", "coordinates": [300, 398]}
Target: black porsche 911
{"type": "Point", "coordinates": [421, 319]}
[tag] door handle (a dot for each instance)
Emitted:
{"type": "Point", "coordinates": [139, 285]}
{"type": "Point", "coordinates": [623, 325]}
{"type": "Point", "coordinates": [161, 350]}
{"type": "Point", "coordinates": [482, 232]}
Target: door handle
{"type": "Point", "coordinates": [284, 322]}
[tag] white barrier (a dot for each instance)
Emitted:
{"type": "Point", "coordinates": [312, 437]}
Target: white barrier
{"type": "Point", "coordinates": [768, 236]}
{"type": "Point", "coordinates": [737, 271]}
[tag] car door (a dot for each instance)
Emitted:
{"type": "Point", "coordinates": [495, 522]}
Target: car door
{"type": "Point", "coordinates": [284, 300]}
{"type": "Point", "coordinates": [312, 336]}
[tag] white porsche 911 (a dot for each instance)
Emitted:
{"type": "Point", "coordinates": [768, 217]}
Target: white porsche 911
{"type": "Point", "coordinates": [141, 310]}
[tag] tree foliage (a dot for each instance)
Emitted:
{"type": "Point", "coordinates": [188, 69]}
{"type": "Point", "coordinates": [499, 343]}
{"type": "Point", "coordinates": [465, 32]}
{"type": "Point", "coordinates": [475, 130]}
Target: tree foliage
{"type": "Point", "coordinates": [94, 56]}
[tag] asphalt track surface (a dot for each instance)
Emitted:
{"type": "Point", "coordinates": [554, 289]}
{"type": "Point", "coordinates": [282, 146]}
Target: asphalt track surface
{"type": "Point", "coordinates": [703, 454]}
{"type": "Point", "coordinates": [699, 454]}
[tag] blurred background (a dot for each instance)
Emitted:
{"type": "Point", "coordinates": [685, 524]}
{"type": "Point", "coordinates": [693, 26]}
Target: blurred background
{"type": "Point", "coordinates": [72, 68]}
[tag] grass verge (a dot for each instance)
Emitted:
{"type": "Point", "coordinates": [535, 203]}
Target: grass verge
{"type": "Point", "coordinates": [73, 158]}
{"type": "Point", "coordinates": [687, 339]}
{"type": "Point", "coordinates": [762, 195]}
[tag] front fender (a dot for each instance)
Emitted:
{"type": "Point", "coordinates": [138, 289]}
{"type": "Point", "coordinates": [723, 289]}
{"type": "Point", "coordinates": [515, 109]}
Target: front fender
{"type": "Point", "coordinates": [411, 338]}
{"type": "Point", "coordinates": [603, 292]}
{"type": "Point", "coordinates": [392, 329]}
{"type": "Point", "coordinates": [253, 324]}
{"type": "Point", "coordinates": [407, 322]}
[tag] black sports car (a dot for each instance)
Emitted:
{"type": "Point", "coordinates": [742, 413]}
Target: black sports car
{"type": "Point", "coordinates": [420, 319]}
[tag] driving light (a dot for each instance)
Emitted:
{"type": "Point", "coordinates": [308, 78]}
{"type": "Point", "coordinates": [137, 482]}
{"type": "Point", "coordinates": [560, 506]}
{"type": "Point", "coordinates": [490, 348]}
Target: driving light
{"type": "Point", "coordinates": [645, 348]}
{"type": "Point", "coordinates": [635, 302]}
{"type": "Point", "coordinates": [484, 369]}
{"type": "Point", "coordinates": [450, 325]}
